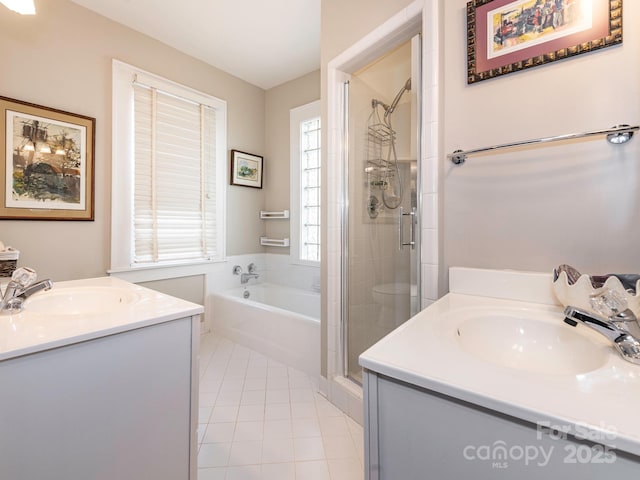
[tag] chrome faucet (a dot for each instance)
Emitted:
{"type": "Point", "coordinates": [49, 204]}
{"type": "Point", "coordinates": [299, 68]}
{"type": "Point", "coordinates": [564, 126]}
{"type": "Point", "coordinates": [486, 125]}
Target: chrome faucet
{"type": "Point", "coordinates": [21, 287]}
{"type": "Point", "coordinates": [622, 329]}
{"type": "Point", "coordinates": [244, 277]}
{"type": "Point", "coordinates": [35, 288]}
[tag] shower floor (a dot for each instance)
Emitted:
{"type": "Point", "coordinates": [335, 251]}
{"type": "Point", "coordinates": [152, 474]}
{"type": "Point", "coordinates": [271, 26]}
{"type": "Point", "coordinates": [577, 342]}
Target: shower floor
{"type": "Point", "coordinates": [262, 420]}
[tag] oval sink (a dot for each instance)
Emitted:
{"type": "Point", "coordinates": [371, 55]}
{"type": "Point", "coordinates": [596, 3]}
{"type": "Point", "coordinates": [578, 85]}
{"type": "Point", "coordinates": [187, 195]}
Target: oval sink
{"type": "Point", "coordinates": [531, 345]}
{"type": "Point", "coordinates": [80, 301]}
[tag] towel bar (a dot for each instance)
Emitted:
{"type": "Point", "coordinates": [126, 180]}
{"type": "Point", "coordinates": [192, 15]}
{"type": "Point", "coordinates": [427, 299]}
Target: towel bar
{"type": "Point", "coordinates": [617, 135]}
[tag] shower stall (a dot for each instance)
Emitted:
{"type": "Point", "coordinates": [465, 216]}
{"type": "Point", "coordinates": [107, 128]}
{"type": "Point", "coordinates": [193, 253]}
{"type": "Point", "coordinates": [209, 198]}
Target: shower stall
{"type": "Point", "coordinates": [381, 245]}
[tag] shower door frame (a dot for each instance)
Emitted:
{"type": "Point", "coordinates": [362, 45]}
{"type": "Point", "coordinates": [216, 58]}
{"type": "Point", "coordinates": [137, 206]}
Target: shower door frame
{"type": "Point", "coordinates": [416, 78]}
{"type": "Point", "coordinates": [344, 236]}
{"type": "Point", "coordinates": [419, 16]}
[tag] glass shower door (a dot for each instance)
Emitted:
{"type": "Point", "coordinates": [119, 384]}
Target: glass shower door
{"type": "Point", "coordinates": [382, 248]}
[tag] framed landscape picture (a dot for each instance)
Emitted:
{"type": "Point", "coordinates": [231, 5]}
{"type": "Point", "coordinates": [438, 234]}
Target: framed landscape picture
{"type": "Point", "coordinates": [505, 36]}
{"type": "Point", "coordinates": [48, 168]}
{"type": "Point", "coordinates": [246, 169]}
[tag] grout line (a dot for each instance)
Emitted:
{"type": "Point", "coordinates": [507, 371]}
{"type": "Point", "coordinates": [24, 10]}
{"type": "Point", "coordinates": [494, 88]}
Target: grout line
{"type": "Point", "coordinates": [223, 354]}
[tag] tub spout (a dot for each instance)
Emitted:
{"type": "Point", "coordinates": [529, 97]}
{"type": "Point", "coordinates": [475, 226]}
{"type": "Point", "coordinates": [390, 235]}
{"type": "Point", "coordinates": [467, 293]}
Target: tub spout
{"type": "Point", "coordinates": [244, 277]}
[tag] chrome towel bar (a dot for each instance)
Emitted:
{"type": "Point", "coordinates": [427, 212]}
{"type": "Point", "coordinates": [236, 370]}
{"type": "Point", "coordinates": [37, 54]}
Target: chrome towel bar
{"type": "Point", "coordinates": [616, 135]}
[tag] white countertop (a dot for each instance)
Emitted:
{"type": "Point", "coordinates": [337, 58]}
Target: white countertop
{"type": "Point", "coordinates": [32, 331]}
{"type": "Point", "coordinates": [425, 352]}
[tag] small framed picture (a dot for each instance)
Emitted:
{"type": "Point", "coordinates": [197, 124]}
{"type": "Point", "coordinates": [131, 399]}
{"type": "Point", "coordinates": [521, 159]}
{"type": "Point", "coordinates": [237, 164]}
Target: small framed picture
{"type": "Point", "coordinates": [246, 169]}
{"type": "Point", "coordinates": [48, 163]}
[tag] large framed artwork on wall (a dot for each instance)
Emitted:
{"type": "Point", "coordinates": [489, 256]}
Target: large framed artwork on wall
{"type": "Point", "coordinates": [48, 167]}
{"type": "Point", "coordinates": [505, 36]}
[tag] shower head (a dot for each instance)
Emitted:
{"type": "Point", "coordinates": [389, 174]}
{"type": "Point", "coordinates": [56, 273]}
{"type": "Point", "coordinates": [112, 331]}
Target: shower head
{"type": "Point", "coordinates": [405, 88]}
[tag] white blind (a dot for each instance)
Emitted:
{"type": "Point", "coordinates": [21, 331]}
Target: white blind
{"type": "Point", "coordinates": [174, 214]}
{"type": "Point", "coordinates": [310, 190]}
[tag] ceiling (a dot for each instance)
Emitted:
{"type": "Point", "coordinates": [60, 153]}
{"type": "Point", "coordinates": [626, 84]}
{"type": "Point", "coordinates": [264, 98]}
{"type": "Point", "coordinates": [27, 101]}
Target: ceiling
{"type": "Point", "coordinates": [264, 42]}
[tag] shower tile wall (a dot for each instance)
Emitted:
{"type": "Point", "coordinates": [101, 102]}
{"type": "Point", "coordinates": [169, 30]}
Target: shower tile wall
{"type": "Point", "coordinates": [432, 285]}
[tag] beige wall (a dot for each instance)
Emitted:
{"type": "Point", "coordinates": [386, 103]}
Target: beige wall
{"type": "Point", "coordinates": [278, 102]}
{"type": "Point", "coordinates": [61, 58]}
{"type": "Point", "coordinates": [535, 208]}
{"type": "Point", "coordinates": [344, 23]}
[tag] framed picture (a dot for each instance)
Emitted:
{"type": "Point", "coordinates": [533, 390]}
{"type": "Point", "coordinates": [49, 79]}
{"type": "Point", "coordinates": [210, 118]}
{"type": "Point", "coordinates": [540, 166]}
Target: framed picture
{"type": "Point", "coordinates": [505, 36]}
{"type": "Point", "coordinates": [246, 169]}
{"type": "Point", "coordinates": [48, 167]}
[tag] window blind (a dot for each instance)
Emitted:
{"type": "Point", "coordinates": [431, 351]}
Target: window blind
{"type": "Point", "coordinates": [174, 204]}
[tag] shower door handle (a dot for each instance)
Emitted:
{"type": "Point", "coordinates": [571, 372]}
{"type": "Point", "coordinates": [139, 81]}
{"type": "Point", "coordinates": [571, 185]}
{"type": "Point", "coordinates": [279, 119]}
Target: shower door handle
{"type": "Point", "coordinates": [412, 217]}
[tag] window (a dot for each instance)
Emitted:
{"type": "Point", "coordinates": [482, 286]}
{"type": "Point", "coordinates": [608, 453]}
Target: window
{"type": "Point", "coordinates": [305, 183]}
{"type": "Point", "coordinates": [168, 172]}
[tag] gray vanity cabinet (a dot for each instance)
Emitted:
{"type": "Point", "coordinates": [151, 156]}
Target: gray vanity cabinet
{"type": "Point", "coordinates": [412, 433]}
{"type": "Point", "coordinates": [122, 406]}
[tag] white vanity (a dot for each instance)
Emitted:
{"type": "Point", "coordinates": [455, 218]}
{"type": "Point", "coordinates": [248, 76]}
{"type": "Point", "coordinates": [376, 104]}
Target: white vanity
{"type": "Point", "coordinates": [98, 380]}
{"type": "Point", "coordinates": [489, 383]}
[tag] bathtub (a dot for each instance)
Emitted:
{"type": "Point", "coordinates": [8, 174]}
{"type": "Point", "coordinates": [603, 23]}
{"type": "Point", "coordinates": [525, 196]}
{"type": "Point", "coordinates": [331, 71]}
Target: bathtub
{"type": "Point", "coordinates": [280, 322]}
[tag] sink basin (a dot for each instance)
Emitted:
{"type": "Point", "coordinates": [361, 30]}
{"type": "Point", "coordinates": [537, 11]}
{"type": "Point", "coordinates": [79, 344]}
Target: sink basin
{"type": "Point", "coordinates": [529, 344]}
{"type": "Point", "coordinates": [80, 300]}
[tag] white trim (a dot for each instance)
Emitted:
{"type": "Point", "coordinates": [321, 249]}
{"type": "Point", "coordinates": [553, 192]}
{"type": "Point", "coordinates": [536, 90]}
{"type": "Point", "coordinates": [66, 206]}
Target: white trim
{"type": "Point", "coordinates": [296, 117]}
{"type": "Point", "coordinates": [123, 148]}
{"type": "Point", "coordinates": [395, 31]}
{"type": "Point", "coordinates": [170, 86]}
{"type": "Point", "coordinates": [121, 172]}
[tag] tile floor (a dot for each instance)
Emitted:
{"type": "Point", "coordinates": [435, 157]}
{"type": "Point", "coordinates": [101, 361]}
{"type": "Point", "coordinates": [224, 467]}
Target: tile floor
{"type": "Point", "coordinates": [262, 420]}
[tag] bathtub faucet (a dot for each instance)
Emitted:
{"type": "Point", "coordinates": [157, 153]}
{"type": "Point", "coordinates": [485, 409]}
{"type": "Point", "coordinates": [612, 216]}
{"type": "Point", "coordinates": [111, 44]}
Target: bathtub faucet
{"type": "Point", "coordinates": [244, 277]}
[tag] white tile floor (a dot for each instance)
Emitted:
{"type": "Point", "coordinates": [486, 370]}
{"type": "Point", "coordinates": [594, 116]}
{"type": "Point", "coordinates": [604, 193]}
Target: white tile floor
{"type": "Point", "coordinates": [261, 420]}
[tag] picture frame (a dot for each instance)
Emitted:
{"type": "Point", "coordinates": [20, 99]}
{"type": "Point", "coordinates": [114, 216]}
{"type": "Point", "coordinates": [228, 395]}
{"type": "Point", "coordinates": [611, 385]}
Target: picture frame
{"type": "Point", "coordinates": [505, 36]}
{"type": "Point", "coordinates": [47, 172]}
{"type": "Point", "coordinates": [246, 169]}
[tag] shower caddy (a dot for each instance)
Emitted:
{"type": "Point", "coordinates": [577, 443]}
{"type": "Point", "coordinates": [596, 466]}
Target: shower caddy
{"type": "Point", "coordinates": [381, 162]}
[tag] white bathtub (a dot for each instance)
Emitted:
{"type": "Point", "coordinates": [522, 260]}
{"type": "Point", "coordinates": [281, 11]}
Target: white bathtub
{"type": "Point", "coordinates": [280, 322]}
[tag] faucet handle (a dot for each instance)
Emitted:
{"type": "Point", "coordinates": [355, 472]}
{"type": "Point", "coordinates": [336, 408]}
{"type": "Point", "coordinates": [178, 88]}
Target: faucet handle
{"type": "Point", "coordinates": [252, 267]}
{"type": "Point", "coordinates": [24, 276]}
{"type": "Point", "coordinates": [613, 305]}
{"type": "Point", "coordinates": [13, 305]}
{"type": "Point", "coordinates": [608, 302]}
{"type": "Point", "coordinates": [629, 348]}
